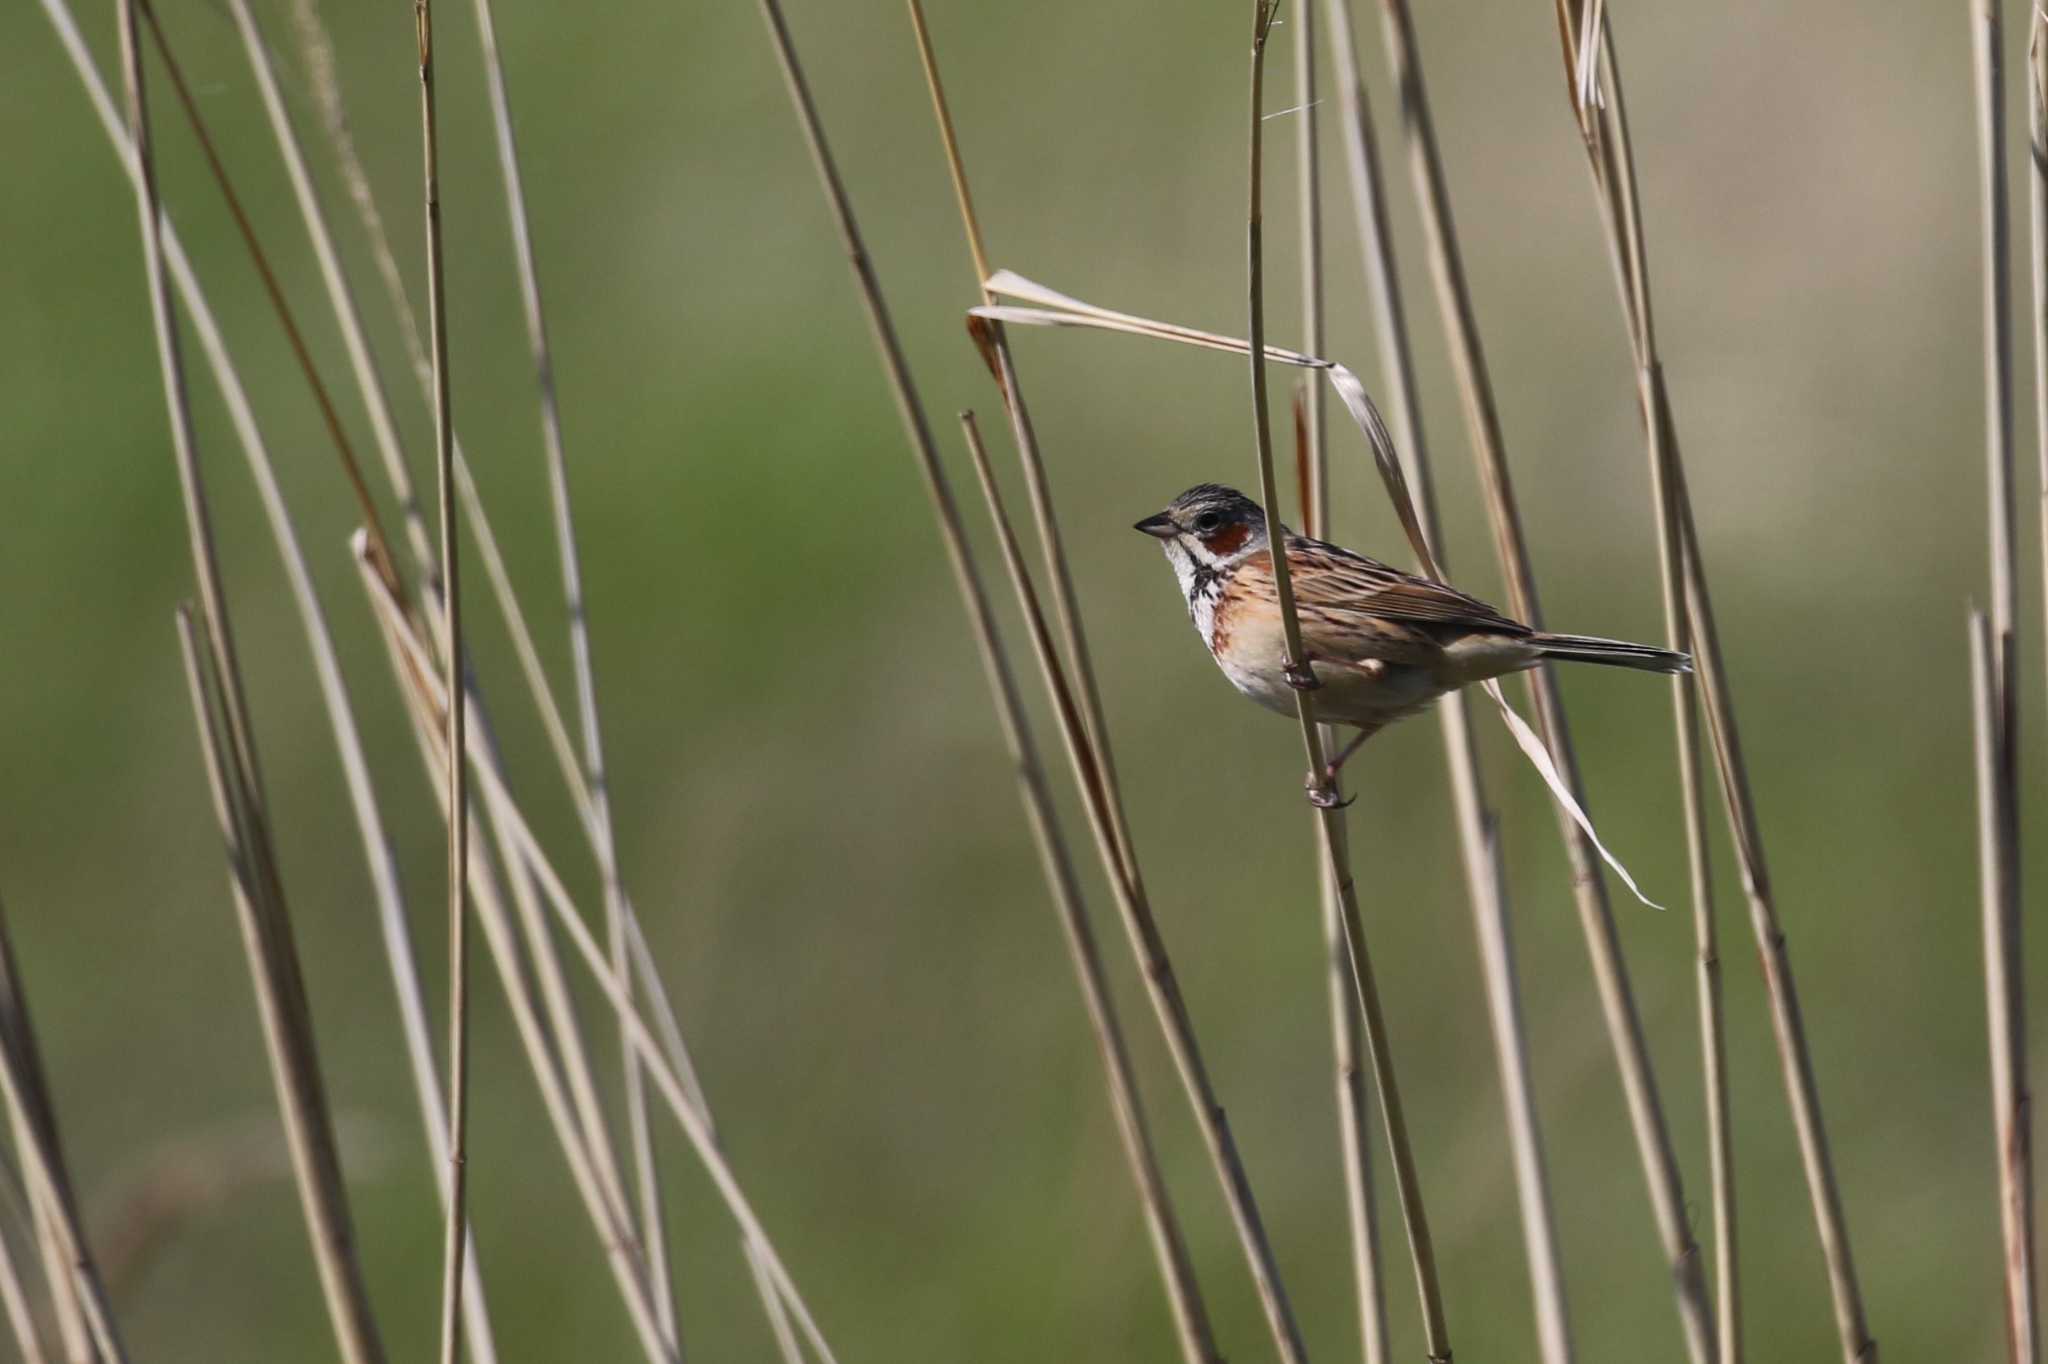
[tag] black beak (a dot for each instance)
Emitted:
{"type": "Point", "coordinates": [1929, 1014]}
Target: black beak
{"type": "Point", "coordinates": [1160, 525]}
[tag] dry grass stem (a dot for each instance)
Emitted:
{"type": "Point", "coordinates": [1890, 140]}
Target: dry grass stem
{"type": "Point", "coordinates": [455, 1243]}
{"type": "Point", "coordinates": [1603, 128]}
{"type": "Point", "coordinates": [1087, 748]}
{"type": "Point", "coordinates": [422, 690]}
{"type": "Point", "coordinates": [266, 922]}
{"type": "Point", "coordinates": [2037, 195]}
{"type": "Point", "coordinates": [1998, 752]}
{"type": "Point", "coordinates": [1329, 815]}
{"type": "Point", "coordinates": [334, 276]}
{"type": "Point", "coordinates": [1347, 1027]}
{"type": "Point", "coordinates": [1485, 883]}
{"type": "Point", "coordinates": [1624, 1027]}
{"type": "Point", "coordinates": [1191, 1318]}
{"type": "Point", "coordinates": [2005, 1005]}
{"type": "Point", "coordinates": [423, 687]}
{"type": "Point", "coordinates": [1037, 484]}
{"type": "Point", "coordinates": [647, 1176]}
{"type": "Point", "coordinates": [281, 1004]}
{"type": "Point", "coordinates": [84, 1316]}
{"type": "Point", "coordinates": [383, 872]}
{"type": "Point", "coordinates": [1614, 170]}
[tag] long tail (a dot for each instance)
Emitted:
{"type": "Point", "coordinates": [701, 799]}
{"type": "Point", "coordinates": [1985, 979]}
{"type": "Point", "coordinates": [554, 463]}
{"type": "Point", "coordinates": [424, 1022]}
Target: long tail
{"type": "Point", "coordinates": [1614, 653]}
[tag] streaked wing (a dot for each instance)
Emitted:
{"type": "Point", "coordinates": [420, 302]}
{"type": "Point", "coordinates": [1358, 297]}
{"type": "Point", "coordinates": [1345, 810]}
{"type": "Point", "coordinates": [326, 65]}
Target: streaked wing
{"type": "Point", "coordinates": [1330, 577]}
{"type": "Point", "coordinates": [1355, 608]}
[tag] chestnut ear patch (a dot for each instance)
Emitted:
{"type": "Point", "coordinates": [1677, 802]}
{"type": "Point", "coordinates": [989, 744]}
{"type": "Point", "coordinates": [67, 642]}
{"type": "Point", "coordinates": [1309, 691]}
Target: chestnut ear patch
{"type": "Point", "coordinates": [1227, 540]}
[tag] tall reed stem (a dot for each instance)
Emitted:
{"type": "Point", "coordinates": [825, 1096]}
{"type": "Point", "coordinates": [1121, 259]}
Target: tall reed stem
{"type": "Point", "coordinates": [1997, 675]}
{"type": "Point", "coordinates": [1603, 127]}
{"type": "Point", "coordinates": [1596, 919]}
{"type": "Point", "coordinates": [455, 1243]}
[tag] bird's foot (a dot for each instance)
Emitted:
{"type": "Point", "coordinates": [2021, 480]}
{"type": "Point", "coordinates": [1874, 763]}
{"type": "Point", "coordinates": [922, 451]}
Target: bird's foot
{"type": "Point", "coordinates": [1302, 678]}
{"type": "Point", "coordinates": [1323, 792]}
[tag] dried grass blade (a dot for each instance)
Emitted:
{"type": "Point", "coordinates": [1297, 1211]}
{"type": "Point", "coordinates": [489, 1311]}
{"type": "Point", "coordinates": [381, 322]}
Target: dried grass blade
{"type": "Point", "coordinates": [412, 662]}
{"type": "Point", "coordinates": [2005, 1004]}
{"type": "Point", "coordinates": [383, 872]}
{"type": "Point", "coordinates": [1097, 782]}
{"type": "Point", "coordinates": [1477, 831]}
{"type": "Point", "coordinates": [1184, 1296]}
{"type": "Point", "coordinates": [274, 961]}
{"type": "Point", "coordinates": [423, 692]}
{"type": "Point", "coordinates": [85, 1317]}
{"type": "Point", "coordinates": [647, 1176]}
{"type": "Point", "coordinates": [1613, 166]}
{"type": "Point", "coordinates": [281, 1004]}
{"type": "Point", "coordinates": [1624, 1026]}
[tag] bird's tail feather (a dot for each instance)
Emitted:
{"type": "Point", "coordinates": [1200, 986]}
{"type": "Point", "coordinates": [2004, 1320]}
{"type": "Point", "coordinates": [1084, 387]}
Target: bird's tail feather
{"type": "Point", "coordinates": [1614, 653]}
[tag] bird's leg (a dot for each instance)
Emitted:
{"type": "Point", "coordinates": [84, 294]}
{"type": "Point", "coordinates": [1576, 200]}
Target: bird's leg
{"type": "Point", "coordinates": [1336, 763]}
{"type": "Point", "coordinates": [1322, 786]}
{"type": "Point", "coordinates": [1303, 678]}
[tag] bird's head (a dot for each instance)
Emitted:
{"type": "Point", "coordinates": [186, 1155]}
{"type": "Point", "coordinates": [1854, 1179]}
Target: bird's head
{"type": "Point", "coordinates": [1209, 527]}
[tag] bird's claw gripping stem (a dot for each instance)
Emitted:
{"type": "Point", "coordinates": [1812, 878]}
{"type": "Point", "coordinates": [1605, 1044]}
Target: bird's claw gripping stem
{"type": "Point", "coordinates": [1301, 678]}
{"type": "Point", "coordinates": [1323, 793]}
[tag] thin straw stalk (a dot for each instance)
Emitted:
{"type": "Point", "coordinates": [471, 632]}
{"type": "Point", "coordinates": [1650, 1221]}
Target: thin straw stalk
{"type": "Point", "coordinates": [334, 276]}
{"type": "Point", "coordinates": [2005, 1004]}
{"type": "Point", "coordinates": [85, 1317]}
{"type": "Point", "coordinates": [1087, 748]}
{"type": "Point", "coordinates": [1329, 820]}
{"type": "Point", "coordinates": [1603, 123]}
{"type": "Point", "coordinates": [1999, 762]}
{"type": "Point", "coordinates": [1485, 883]}
{"type": "Point", "coordinates": [647, 1175]}
{"type": "Point", "coordinates": [274, 963]}
{"type": "Point", "coordinates": [454, 1242]}
{"type": "Point", "coordinates": [1184, 1295]}
{"type": "Point", "coordinates": [422, 692]}
{"type": "Point", "coordinates": [411, 662]}
{"type": "Point", "coordinates": [1037, 484]}
{"type": "Point", "coordinates": [1347, 1027]}
{"type": "Point", "coordinates": [1624, 1026]}
{"type": "Point", "coordinates": [386, 891]}
{"type": "Point", "coordinates": [281, 1003]}
{"type": "Point", "coordinates": [1614, 169]}
{"type": "Point", "coordinates": [566, 1028]}
{"type": "Point", "coordinates": [2037, 197]}
{"type": "Point", "coordinates": [21, 1320]}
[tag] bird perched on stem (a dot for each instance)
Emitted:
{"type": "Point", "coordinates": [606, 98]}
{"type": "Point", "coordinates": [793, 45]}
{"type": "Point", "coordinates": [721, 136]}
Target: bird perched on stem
{"type": "Point", "coordinates": [1381, 644]}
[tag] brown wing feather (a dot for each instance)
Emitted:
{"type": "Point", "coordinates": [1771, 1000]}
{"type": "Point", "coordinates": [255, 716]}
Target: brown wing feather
{"type": "Point", "coordinates": [1354, 609]}
{"type": "Point", "coordinates": [1334, 578]}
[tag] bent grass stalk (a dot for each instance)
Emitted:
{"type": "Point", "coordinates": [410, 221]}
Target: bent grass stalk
{"type": "Point", "coordinates": [266, 921]}
{"type": "Point", "coordinates": [1615, 164]}
{"type": "Point", "coordinates": [411, 661]}
{"type": "Point", "coordinates": [85, 1318]}
{"type": "Point", "coordinates": [1485, 884]}
{"type": "Point", "coordinates": [1191, 1317]}
{"type": "Point", "coordinates": [1603, 126]}
{"type": "Point", "coordinates": [1998, 732]}
{"type": "Point", "coordinates": [455, 1243]}
{"type": "Point", "coordinates": [640, 1141]}
{"type": "Point", "coordinates": [377, 853]}
{"type": "Point", "coordinates": [1094, 779]}
{"type": "Point", "coordinates": [2004, 1000]}
{"type": "Point", "coordinates": [1347, 1026]}
{"type": "Point", "coordinates": [1329, 817]}
{"type": "Point", "coordinates": [1624, 1025]}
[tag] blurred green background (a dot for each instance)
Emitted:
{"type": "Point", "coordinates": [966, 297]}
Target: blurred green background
{"type": "Point", "coordinates": [814, 809]}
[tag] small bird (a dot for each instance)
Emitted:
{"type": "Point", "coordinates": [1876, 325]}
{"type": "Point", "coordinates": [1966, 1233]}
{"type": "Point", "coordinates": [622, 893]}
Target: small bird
{"type": "Point", "coordinates": [1382, 644]}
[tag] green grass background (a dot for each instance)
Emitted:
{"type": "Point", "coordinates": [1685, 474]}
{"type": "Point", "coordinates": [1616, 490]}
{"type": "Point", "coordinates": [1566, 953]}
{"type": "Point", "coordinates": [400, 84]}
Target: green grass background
{"type": "Point", "coordinates": [814, 809]}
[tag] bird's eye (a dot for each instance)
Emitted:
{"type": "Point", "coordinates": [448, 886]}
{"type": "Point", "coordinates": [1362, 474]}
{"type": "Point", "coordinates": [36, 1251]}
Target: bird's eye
{"type": "Point", "coordinates": [1207, 522]}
